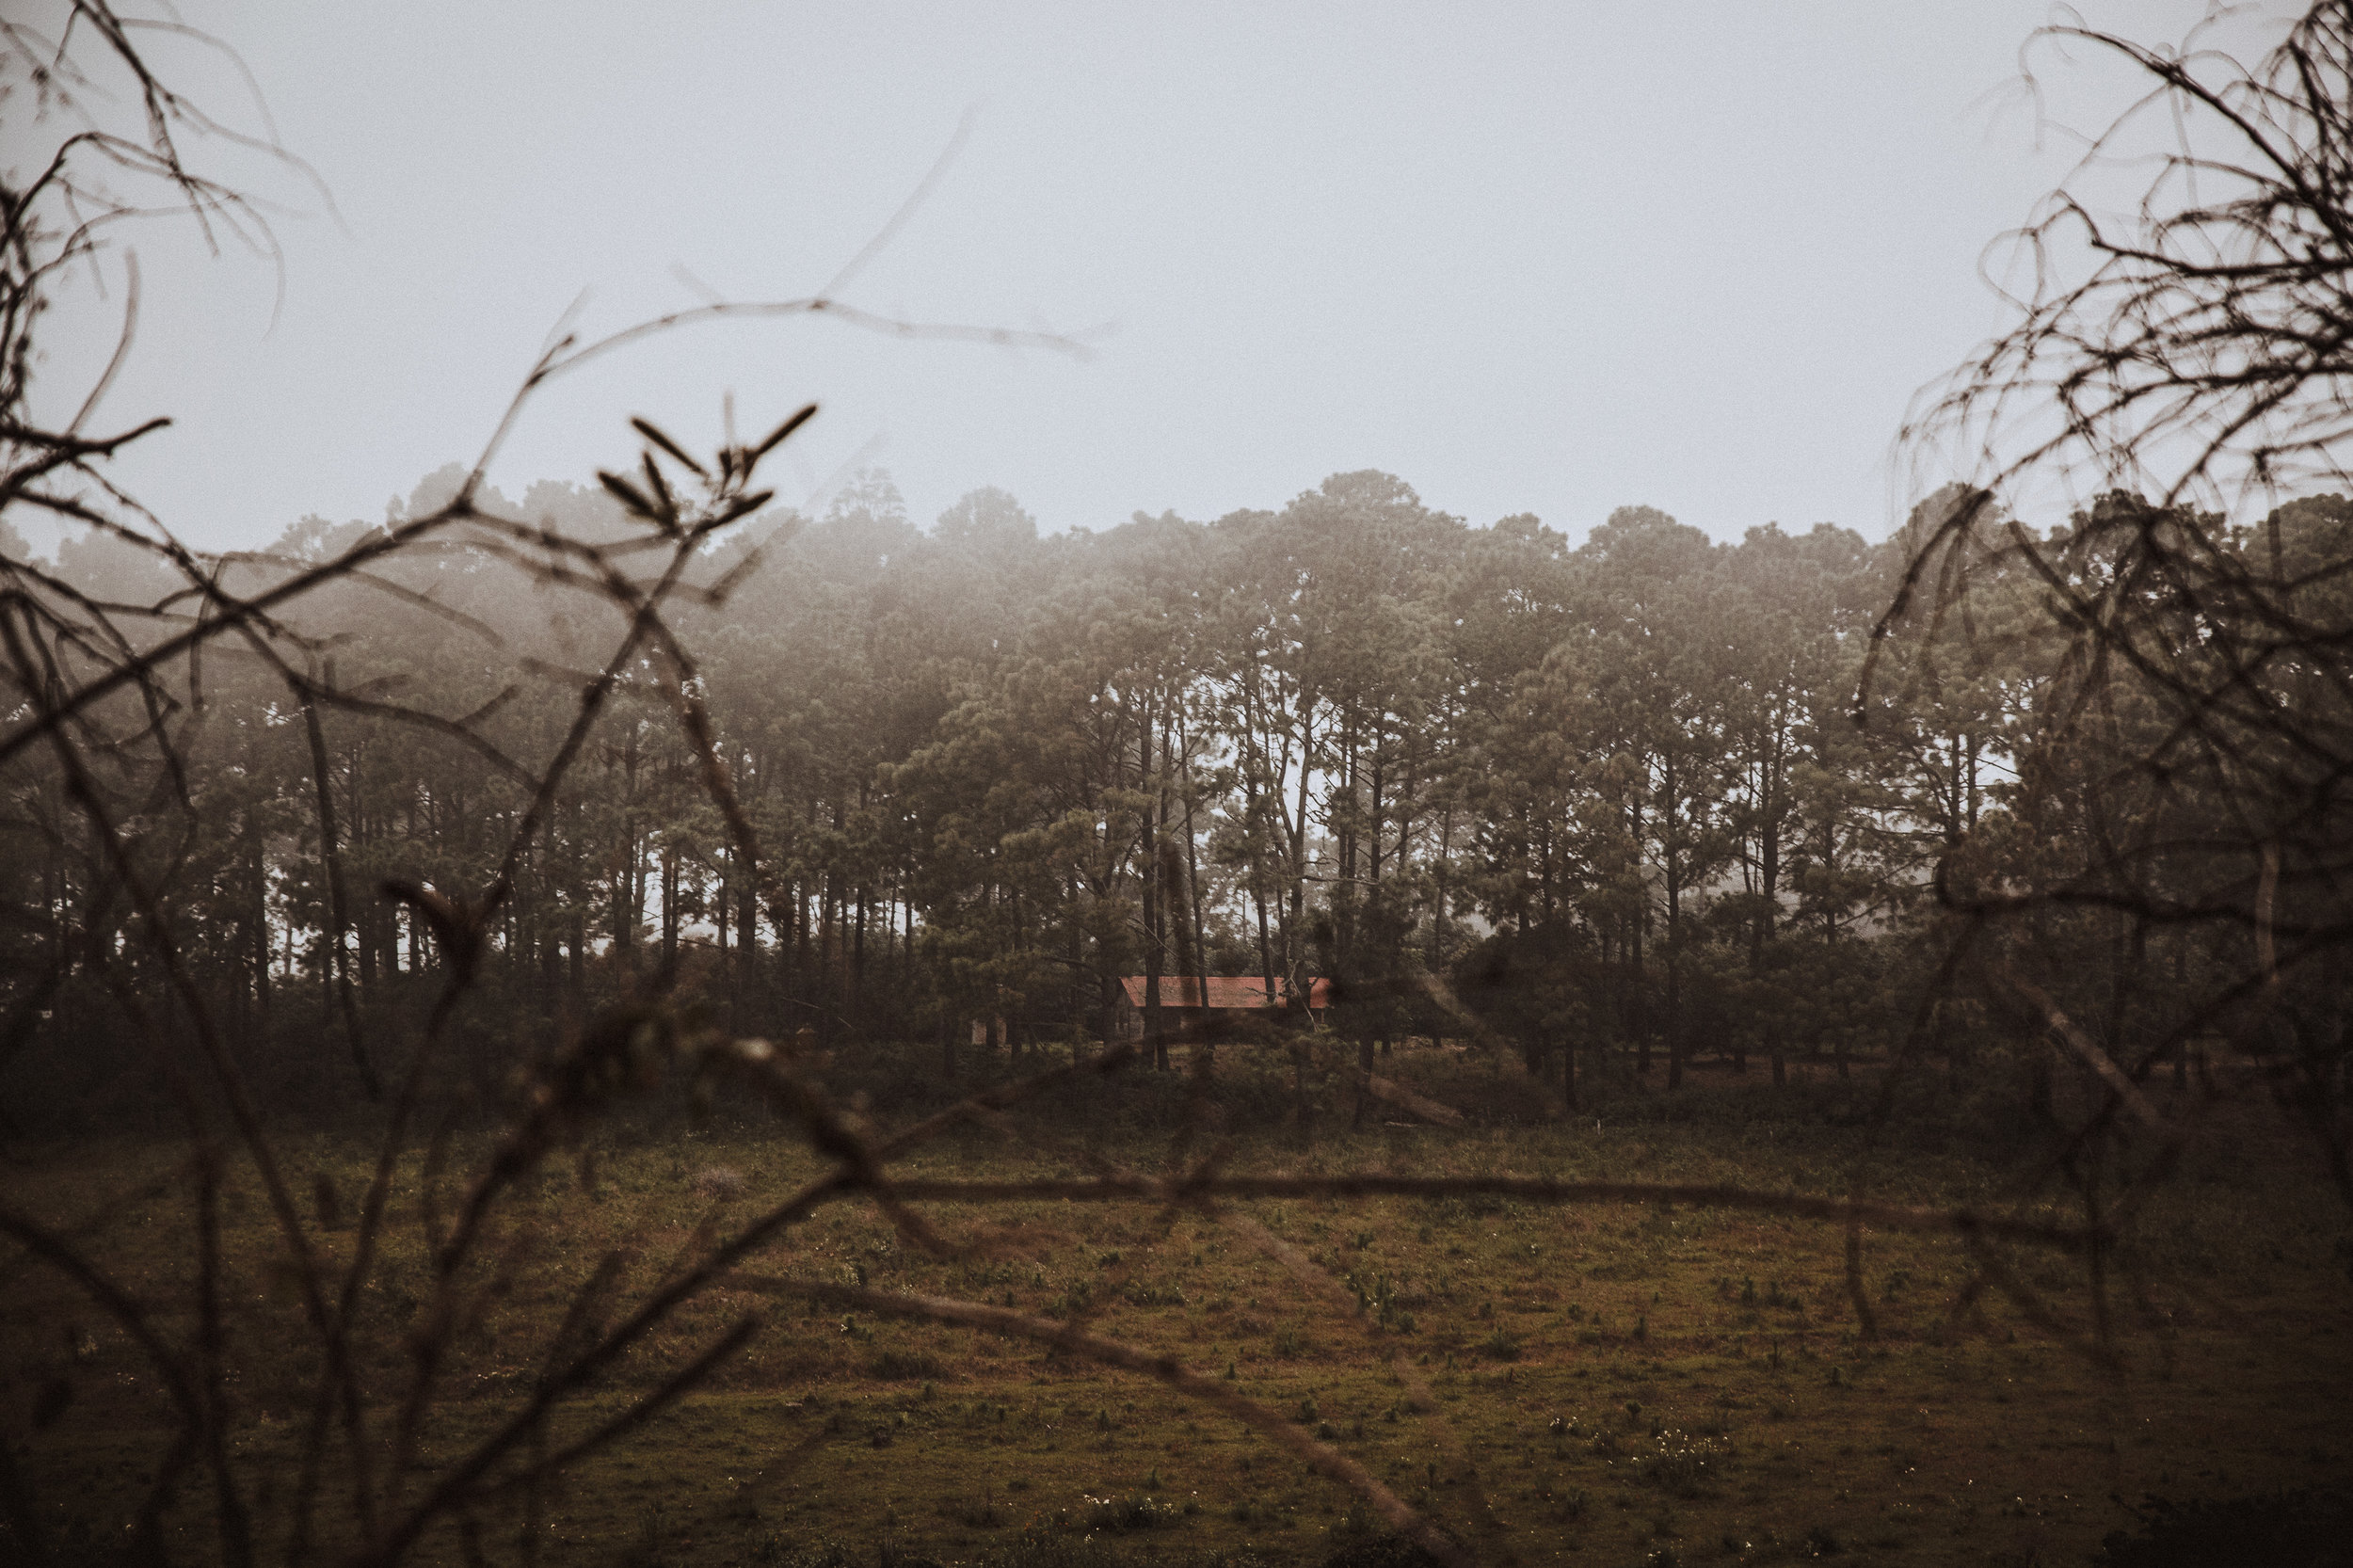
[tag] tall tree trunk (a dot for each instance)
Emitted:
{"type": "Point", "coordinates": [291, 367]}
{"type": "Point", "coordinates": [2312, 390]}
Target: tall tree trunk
{"type": "Point", "coordinates": [1266, 947]}
{"type": "Point", "coordinates": [1674, 870]}
{"type": "Point", "coordinates": [1768, 907]}
{"type": "Point", "coordinates": [749, 994]}
{"type": "Point", "coordinates": [1200, 946]}
{"type": "Point", "coordinates": [669, 905]}
{"type": "Point", "coordinates": [1638, 995]}
{"type": "Point", "coordinates": [337, 971]}
{"type": "Point", "coordinates": [1293, 926]}
{"type": "Point", "coordinates": [1674, 983]}
{"type": "Point", "coordinates": [857, 960]}
{"type": "Point", "coordinates": [259, 869]}
{"type": "Point", "coordinates": [800, 978]}
{"type": "Point", "coordinates": [1075, 952]}
{"type": "Point", "coordinates": [1155, 1042]}
{"type": "Point", "coordinates": [822, 980]}
{"type": "Point", "coordinates": [1438, 889]}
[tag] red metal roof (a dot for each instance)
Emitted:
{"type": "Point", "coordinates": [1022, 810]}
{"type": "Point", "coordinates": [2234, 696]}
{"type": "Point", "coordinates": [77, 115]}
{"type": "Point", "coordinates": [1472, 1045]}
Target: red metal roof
{"type": "Point", "coordinates": [1236, 992]}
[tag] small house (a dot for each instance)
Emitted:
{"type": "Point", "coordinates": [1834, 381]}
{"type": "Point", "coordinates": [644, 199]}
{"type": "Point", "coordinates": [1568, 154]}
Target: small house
{"type": "Point", "coordinates": [1231, 998]}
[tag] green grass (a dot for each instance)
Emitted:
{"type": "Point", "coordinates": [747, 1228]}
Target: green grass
{"type": "Point", "coordinates": [1594, 1385]}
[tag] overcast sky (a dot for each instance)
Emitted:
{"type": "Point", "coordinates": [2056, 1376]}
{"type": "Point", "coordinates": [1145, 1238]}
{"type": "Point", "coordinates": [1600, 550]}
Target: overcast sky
{"type": "Point", "coordinates": [1532, 257]}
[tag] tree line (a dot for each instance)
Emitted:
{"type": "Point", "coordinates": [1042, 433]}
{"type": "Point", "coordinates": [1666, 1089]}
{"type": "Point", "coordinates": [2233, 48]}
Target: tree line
{"type": "Point", "coordinates": [1615, 804]}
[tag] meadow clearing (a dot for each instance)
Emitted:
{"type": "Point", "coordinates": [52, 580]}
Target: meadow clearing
{"type": "Point", "coordinates": [1592, 1382]}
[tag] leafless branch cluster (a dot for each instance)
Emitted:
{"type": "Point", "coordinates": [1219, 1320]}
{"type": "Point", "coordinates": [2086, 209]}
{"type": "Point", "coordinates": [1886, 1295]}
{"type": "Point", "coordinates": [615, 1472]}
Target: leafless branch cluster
{"type": "Point", "coordinates": [2199, 347]}
{"type": "Point", "coordinates": [2184, 719]}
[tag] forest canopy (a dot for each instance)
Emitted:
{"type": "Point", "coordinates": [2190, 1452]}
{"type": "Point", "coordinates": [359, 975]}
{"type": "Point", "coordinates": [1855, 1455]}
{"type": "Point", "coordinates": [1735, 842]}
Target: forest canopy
{"type": "Point", "coordinates": [1617, 801]}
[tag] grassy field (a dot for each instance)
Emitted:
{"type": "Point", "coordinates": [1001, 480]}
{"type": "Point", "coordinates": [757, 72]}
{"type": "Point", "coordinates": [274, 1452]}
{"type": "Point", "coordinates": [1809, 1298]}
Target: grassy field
{"type": "Point", "coordinates": [1607, 1383]}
